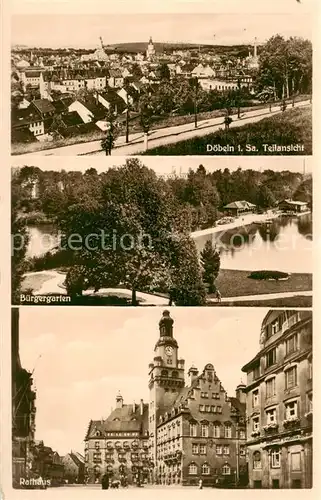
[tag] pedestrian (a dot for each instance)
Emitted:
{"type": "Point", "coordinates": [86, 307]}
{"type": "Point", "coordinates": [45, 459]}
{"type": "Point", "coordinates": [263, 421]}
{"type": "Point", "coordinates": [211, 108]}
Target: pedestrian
{"type": "Point", "coordinates": [200, 484]}
{"type": "Point", "coordinates": [218, 296]}
{"type": "Point", "coordinates": [105, 482]}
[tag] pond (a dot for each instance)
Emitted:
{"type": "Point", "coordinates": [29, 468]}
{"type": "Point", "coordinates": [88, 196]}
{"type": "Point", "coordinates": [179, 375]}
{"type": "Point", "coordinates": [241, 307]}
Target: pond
{"type": "Point", "coordinates": [285, 244]}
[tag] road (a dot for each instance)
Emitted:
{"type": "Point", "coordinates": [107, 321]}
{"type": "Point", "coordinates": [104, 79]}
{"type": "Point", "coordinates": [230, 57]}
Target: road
{"type": "Point", "coordinates": [164, 136]}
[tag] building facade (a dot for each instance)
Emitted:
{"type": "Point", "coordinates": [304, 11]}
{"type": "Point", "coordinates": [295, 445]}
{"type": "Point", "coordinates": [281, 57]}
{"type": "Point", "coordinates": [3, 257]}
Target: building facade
{"type": "Point", "coordinates": [190, 430]}
{"type": "Point", "coordinates": [119, 445]}
{"type": "Point", "coordinates": [23, 410]}
{"type": "Point", "coordinates": [196, 430]}
{"type": "Point", "coordinates": [279, 403]}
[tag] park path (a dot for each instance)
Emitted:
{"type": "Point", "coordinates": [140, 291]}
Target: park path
{"type": "Point", "coordinates": [164, 136]}
{"type": "Point", "coordinates": [54, 285]}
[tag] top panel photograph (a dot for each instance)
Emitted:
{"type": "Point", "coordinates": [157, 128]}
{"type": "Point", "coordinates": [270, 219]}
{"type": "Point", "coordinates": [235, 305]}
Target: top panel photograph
{"type": "Point", "coordinates": [162, 84]}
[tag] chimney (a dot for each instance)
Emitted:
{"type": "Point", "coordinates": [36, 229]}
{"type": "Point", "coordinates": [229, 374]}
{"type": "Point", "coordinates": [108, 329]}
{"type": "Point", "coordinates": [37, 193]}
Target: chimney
{"type": "Point", "coordinates": [240, 393]}
{"type": "Point", "coordinates": [134, 407]}
{"type": "Point", "coordinates": [141, 407]}
{"type": "Point", "coordinates": [119, 400]}
{"type": "Point", "coordinates": [193, 374]}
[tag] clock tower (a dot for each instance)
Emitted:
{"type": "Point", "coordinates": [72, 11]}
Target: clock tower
{"type": "Point", "coordinates": [166, 377]}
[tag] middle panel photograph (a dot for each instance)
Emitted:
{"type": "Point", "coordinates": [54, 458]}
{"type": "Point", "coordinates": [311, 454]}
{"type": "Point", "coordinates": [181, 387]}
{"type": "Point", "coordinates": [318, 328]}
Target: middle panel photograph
{"type": "Point", "coordinates": [162, 232]}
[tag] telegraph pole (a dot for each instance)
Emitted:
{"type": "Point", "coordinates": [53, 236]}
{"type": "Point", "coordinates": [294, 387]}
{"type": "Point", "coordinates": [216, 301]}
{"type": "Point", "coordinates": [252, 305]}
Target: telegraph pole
{"type": "Point", "coordinates": [127, 118]}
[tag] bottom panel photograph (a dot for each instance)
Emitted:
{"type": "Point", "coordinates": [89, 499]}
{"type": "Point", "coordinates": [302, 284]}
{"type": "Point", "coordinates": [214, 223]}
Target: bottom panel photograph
{"type": "Point", "coordinates": [180, 398]}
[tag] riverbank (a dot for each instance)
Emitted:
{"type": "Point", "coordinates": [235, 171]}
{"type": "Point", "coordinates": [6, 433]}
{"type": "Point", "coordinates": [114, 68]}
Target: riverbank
{"type": "Point", "coordinates": [245, 220]}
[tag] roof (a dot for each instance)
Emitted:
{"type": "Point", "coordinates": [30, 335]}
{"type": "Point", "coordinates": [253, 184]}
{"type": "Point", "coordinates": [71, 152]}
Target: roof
{"type": "Point", "coordinates": [240, 204]}
{"type": "Point", "coordinates": [78, 459]}
{"type": "Point", "coordinates": [62, 104]}
{"type": "Point", "coordinates": [114, 73]}
{"type": "Point", "coordinates": [293, 202]}
{"type": "Point", "coordinates": [20, 117]}
{"type": "Point", "coordinates": [124, 419]}
{"type": "Point", "coordinates": [32, 74]}
{"type": "Point", "coordinates": [97, 109]}
{"type": "Point", "coordinates": [241, 407]}
{"type": "Point", "coordinates": [43, 106]}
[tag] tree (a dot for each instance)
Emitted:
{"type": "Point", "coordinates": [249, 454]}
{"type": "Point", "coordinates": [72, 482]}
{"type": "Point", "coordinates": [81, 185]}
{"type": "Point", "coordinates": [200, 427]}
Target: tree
{"type": "Point", "coordinates": [210, 260]}
{"type": "Point", "coordinates": [133, 210]}
{"type": "Point", "coordinates": [112, 132]}
{"type": "Point", "coordinates": [19, 245]}
{"type": "Point", "coordinates": [164, 72]}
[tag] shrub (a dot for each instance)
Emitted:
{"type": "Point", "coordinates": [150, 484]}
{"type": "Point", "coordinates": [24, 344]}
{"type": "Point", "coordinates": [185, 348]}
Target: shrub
{"type": "Point", "coordinates": [268, 275]}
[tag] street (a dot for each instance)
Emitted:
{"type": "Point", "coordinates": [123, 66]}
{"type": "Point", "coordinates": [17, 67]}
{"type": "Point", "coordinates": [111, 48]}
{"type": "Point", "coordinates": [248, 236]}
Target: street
{"type": "Point", "coordinates": [164, 136]}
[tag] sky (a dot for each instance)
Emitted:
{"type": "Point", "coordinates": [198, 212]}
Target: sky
{"type": "Point", "coordinates": [89, 354]}
{"type": "Point", "coordinates": [83, 31]}
{"type": "Point", "coordinates": [166, 165]}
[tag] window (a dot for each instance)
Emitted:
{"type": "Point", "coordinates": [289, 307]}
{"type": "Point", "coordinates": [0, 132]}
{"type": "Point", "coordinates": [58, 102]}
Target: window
{"type": "Point", "coordinates": [270, 358]}
{"type": "Point", "coordinates": [195, 449]}
{"type": "Point", "coordinates": [226, 450]}
{"type": "Point", "coordinates": [202, 407]}
{"type": "Point", "coordinates": [192, 430]}
{"type": "Point", "coordinates": [271, 416]}
{"type": "Point", "coordinates": [227, 430]}
{"type": "Point", "coordinates": [295, 461]}
{"type": "Point", "coordinates": [310, 370]}
{"type": "Point", "coordinates": [291, 377]}
{"type": "Point", "coordinates": [242, 434]}
{"type": "Point", "coordinates": [205, 469]}
{"type": "Point", "coordinates": [219, 449]}
{"type": "Point", "coordinates": [215, 395]}
{"type": "Point", "coordinates": [242, 451]}
{"type": "Point", "coordinates": [204, 394]}
{"type": "Point", "coordinates": [255, 397]}
{"type": "Point", "coordinates": [226, 470]}
{"type": "Point", "coordinates": [275, 483]}
{"type": "Point", "coordinates": [213, 409]}
{"type": "Point", "coordinates": [256, 424]}
{"type": "Point", "coordinates": [270, 387]}
{"type": "Point", "coordinates": [208, 408]}
{"type": "Point", "coordinates": [257, 460]}
{"type": "Point", "coordinates": [275, 326]}
{"type": "Point", "coordinates": [216, 430]}
{"type": "Point", "coordinates": [310, 402]}
{"type": "Point", "coordinates": [275, 458]}
{"type": "Point", "coordinates": [202, 449]}
{"type": "Point", "coordinates": [291, 410]}
{"type": "Point", "coordinates": [219, 409]}
{"type": "Point", "coordinates": [204, 430]}
{"type": "Point", "coordinates": [292, 344]}
{"type": "Point", "coordinates": [97, 445]}
{"type": "Point", "coordinates": [256, 371]}
{"type": "Point", "coordinates": [192, 469]}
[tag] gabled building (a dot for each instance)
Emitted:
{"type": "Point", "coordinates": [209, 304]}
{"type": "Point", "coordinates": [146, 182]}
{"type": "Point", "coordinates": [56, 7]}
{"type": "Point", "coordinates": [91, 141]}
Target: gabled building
{"type": "Point", "coordinates": [74, 467]}
{"type": "Point", "coordinates": [279, 403]}
{"type": "Point", "coordinates": [196, 430]}
{"type": "Point", "coordinates": [118, 445]}
{"type": "Point", "coordinates": [237, 208]}
{"type": "Point", "coordinates": [293, 206]}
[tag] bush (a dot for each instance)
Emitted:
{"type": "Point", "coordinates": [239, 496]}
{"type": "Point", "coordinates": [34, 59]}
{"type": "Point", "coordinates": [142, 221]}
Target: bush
{"type": "Point", "coordinates": [290, 127]}
{"type": "Point", "coordinates": [268, 275]}
{"type": "Point", "coordinates": [51, 260]}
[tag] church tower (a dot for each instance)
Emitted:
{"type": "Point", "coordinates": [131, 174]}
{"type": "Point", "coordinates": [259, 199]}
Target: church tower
{"type": "Point", "coordinates": [166, 377]}
{"type": "Point", "coordinates": [150, 52]}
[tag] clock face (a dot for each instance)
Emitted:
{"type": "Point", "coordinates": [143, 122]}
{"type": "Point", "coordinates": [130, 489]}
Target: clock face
{"type": "Point", "coordinates": [169, 350]}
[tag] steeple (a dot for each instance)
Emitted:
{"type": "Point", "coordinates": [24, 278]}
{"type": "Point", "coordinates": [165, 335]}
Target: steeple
{"type": "Point", "coordinates": [166, 325]}
{"type": "Point", "coordinates": [119, 400]}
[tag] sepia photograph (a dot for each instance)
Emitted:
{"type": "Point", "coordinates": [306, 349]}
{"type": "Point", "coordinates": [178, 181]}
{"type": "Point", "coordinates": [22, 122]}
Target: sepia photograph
{"type": "Point", "coordinates": [160, 231]}
{"type": "Point", "coordinates": [135, 404]}
{"type": "Point", "coordinates": [162, 84]}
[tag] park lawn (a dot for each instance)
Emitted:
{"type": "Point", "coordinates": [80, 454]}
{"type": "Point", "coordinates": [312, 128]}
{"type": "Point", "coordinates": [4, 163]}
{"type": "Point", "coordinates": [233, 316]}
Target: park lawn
{"type": "Point", "coordinates": [293, 127]}
{"type": "Point", "coordinates": [235, 283]}
{"type": "Point", "coordinates": [298, 301]}
{"type": "Point", "coordinates": [34, 282]}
